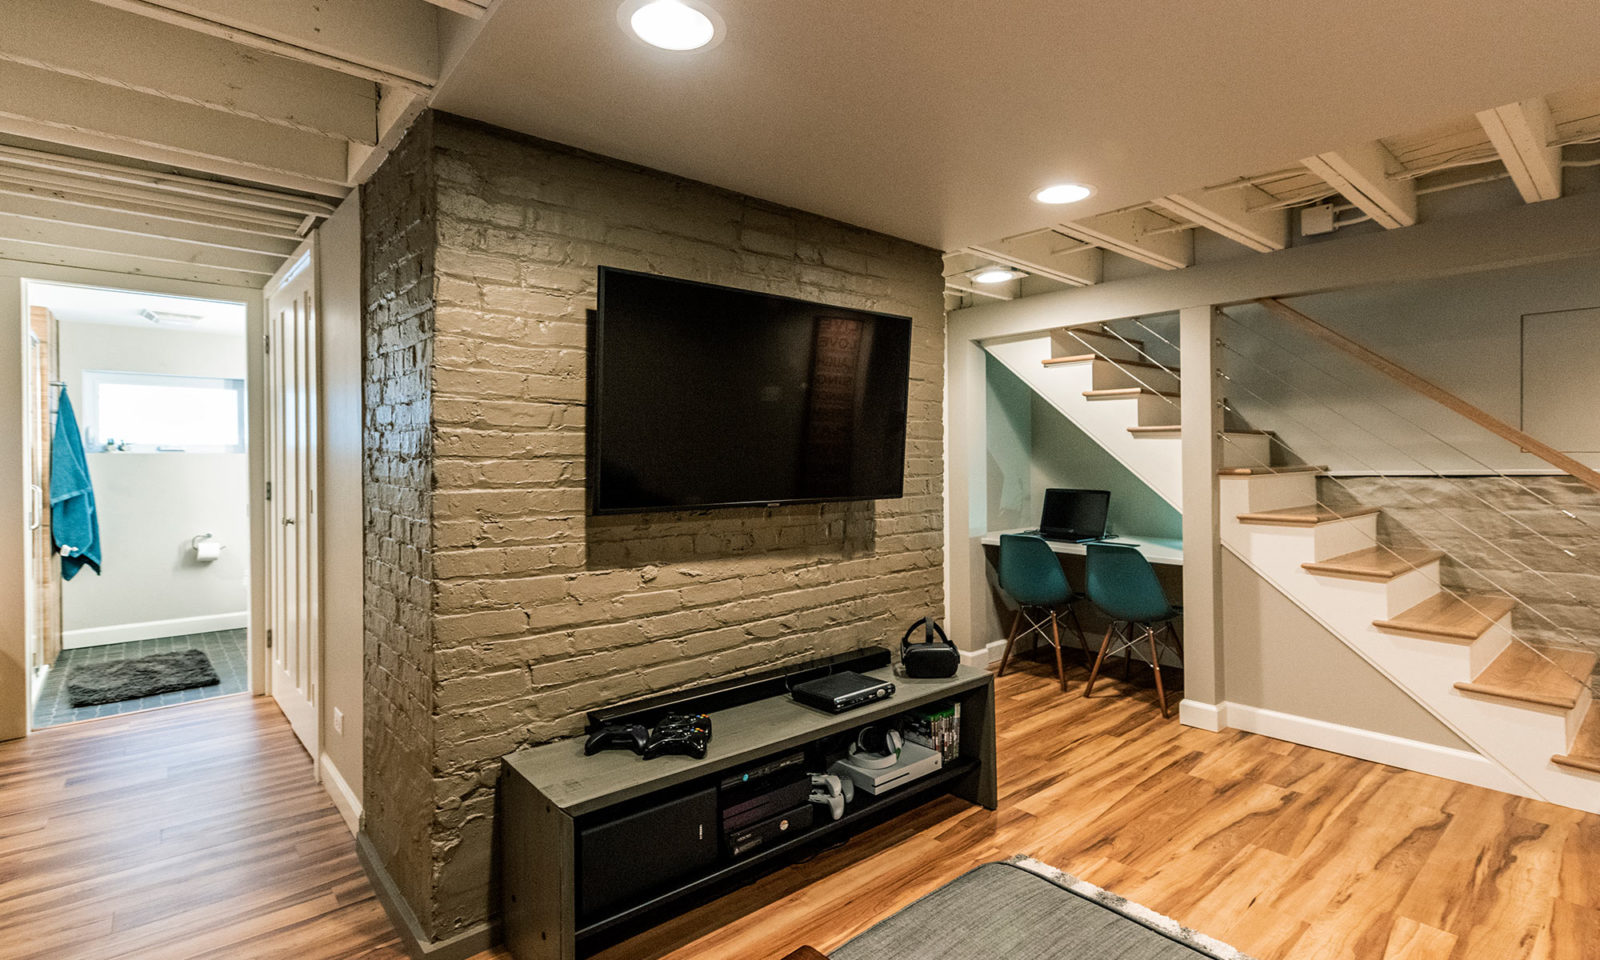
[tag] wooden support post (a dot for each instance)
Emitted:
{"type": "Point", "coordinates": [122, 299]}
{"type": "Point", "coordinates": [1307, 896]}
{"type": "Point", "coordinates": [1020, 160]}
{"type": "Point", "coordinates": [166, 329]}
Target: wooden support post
{"type": "Point", "coordinates": [1203, 693]}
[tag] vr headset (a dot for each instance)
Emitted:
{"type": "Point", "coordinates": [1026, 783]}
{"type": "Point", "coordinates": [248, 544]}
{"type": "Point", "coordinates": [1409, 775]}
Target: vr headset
{"type": "Point", "coordinates": [931, 654]}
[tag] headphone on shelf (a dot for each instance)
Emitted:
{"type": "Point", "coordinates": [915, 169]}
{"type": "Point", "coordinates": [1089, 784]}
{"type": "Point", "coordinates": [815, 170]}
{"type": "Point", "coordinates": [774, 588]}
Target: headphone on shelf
{"type": "Point", "coordinates": [929, 657]}
{"type": "Point", "coordinates": [877, 747]}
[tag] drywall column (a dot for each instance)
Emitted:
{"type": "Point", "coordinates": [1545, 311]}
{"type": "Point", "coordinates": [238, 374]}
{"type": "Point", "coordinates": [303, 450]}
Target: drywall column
{"type": "Point", "coordinates": [14, 698]}
{"type": "Point", "coordinates": [966, 443]}
{"type": "Point", "coordinates": [1202, 542]}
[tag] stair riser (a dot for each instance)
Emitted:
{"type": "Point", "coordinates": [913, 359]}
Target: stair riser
{"type": "Point", "coordinates": [1109, 376]}
{"type": "Point", "coordinates": [1340, 537]}
{"type": "Point", "coordinates": [1292, 546]}
{"type": "Point", "coordinates": [1064, 344]}
{"type": "Point", "coordinates": [1457, 662]}
{"type": "Point", "coordinates": [1382, 599]}
{"type": "Point", "coordinates": [1246, 450]}
{"type": "Point", "coordinates": [1269, 492]}
{"type": "Point", "coordinates": [1158, 411]}
{"type": "Point", "coordinates": [1576, 714]}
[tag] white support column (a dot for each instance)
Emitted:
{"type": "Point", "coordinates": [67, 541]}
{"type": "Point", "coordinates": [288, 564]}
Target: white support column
{"type": "Point", "coordinates": [14, 698]}
{"type": "Point", "coordinates": [1202, 540]}
{"type": "Point", "coordinates": [967, 608]}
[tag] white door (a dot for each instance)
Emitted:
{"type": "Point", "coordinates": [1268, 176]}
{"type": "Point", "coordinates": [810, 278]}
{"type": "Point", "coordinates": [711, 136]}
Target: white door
{"type": "Point", "coordinates": [293, 630]}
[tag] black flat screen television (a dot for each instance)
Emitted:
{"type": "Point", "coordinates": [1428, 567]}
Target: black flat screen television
{"type": "Point", "coordinates": [708, 396]}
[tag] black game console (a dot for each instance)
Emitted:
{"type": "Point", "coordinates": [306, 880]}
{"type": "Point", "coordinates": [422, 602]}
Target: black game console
{"type": "Point", "coordinates": [845, 690]}
{"type": "Point", "coordinates": [762, 833]}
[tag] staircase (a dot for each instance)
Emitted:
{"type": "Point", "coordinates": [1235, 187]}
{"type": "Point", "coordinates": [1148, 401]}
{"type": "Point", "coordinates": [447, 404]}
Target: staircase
{"type": "Point", "coordinates": [1519, 707]}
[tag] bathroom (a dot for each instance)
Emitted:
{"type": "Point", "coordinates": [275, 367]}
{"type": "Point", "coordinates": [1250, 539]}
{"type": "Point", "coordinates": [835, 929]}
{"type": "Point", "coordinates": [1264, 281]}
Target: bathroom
{"type": "Point", "coordinates": [156, 608]}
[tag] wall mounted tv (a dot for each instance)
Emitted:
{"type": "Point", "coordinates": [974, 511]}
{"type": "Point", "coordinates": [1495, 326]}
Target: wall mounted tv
{"type": "Point", "coordinates": [708, 396]}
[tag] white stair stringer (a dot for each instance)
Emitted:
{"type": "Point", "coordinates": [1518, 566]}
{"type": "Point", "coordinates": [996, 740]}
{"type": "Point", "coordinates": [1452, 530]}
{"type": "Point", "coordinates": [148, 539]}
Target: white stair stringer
{"type": "Point", "coordinates": [1156, 460]}
{"type": "Point", "coordinates": [1518, 738]}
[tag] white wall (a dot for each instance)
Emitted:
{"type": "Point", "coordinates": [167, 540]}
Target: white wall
{"type": "Point", "coordinates": [151, 505]}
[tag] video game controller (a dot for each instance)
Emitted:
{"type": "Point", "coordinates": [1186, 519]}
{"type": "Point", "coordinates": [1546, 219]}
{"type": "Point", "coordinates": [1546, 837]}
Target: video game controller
{"type": "Point", "coordinates": [677, 733]}
{"type": "Point", "coordinates": [617, 736]}
{"type": "Point", "coordinates": [832, 792]}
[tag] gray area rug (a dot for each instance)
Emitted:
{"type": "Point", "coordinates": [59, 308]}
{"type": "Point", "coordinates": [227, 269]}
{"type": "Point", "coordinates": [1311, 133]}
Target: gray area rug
{"type": "Point", "coordinates": [114, 680]}
{"type": "Point", "coordinates": [1026, 910]}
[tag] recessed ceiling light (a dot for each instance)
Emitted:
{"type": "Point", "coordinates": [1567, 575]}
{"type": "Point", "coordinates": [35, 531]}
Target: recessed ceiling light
{"type": "Point", "coordinates": [1064, 193]}
{"type": "Point", "coordinates": [996, 275]}
{"type": "Point", "coordinates": [678, 25]}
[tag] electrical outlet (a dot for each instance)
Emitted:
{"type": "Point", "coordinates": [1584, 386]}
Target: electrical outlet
{"type": "Point", "coordinates": [338, 720]}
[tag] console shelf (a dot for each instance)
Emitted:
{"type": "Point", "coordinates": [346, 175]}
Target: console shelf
{"type": "Point", "coordinates": [546, 791]}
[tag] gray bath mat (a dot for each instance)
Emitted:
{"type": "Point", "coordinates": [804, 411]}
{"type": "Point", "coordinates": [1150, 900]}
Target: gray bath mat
{"type": "Point", "coordinates": [116, 680]}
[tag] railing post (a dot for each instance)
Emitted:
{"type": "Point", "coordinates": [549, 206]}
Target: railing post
{"type": "Point", "coordinates": [1202, 415]}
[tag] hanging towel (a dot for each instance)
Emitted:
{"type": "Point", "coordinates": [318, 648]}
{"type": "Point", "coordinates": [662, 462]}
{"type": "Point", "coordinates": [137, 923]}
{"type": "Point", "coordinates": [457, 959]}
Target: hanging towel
{"type": "Point", "coordinates": [73, 523]}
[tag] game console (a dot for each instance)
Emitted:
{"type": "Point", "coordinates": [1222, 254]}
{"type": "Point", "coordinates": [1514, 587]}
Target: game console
{"type": "Point", "coordinates": [748, 839]}
{"type": "Point", "coordinates": [914, 761]}
{"type": "Point", "coordinates": [838, 692]}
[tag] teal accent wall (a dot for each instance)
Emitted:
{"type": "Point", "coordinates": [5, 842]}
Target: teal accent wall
{"type": "Point", "coordinates": [1032, 446]}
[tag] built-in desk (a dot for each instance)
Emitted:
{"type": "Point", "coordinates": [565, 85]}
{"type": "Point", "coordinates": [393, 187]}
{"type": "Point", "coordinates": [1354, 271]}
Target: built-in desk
{"type": "Point", "coordinates": [1154, 549]}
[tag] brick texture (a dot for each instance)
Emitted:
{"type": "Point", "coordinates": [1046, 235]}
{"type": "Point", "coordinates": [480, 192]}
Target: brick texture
{"type": "Point", "coordinates": [538, 612]}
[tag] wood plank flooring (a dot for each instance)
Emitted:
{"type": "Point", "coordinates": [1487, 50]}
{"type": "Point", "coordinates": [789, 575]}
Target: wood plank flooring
{"type": "Point", "coordinates": [196, 832]}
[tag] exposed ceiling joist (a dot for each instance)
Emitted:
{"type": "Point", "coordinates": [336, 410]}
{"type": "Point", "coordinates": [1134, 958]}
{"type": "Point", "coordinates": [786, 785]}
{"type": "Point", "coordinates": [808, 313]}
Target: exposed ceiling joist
{"type": "Point", "coordinates": [397, 108]}
{"type": "Point", "coordinates": [49, 106]}
{"type": "Point", "coordinates": [1361, 174]}
{"type": "Point", "coordinates": [70, 256]}
{"type": "Point", "coordinates": [1047, 253]}
{"type": "Point", "coordinates": [129, 223]}
{"type": "Point", "coordinates": [1140, 234]}
{"type": "Point", "coordinates": [393, 42]}
{"type": "Point", "coordinates": [993, 292]}
{"type": "Point", "coordinates": [12, 185]}
{"type": "Point", "coordinates": [1522, 133]}
{"type": "Point", "coordinates": [1228, 213]}
{"type": "Point", "coordinates": [135, 245]}
{"type": "Point", "coordinates": [85, 40]}
{"type": "Point", "coordinates": [467, 8]}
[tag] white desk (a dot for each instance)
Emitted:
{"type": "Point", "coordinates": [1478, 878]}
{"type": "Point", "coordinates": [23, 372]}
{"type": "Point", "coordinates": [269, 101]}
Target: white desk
{"type": "Point", "coordinates": [1155, 550]}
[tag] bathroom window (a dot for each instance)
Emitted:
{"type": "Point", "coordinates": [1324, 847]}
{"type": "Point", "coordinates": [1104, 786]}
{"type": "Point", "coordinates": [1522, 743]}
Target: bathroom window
{"type": "Point", "coordinates": [157, 413]}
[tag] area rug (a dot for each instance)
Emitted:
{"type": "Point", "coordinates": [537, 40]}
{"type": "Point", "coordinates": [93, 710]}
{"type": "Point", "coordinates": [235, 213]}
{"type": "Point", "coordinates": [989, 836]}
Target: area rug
{"type": "Point", "coordinates": [1026, 910]}
{"type": "Point", "coordinates": [115, 680]}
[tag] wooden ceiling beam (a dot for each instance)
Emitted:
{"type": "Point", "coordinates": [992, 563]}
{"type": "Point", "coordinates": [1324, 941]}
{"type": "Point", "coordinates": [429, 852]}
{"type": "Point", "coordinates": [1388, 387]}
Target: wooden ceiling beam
{"type": "Point", "coordinates": [1227, 212]}
{"type": "Point", "coordinates": [11, 186]}
{"type": "Point", "coordinates": [1139, 234]}
{"type": "Point", "coordinates": [1361, 174]}
{"type": "Point", "coordinates": [467, 8]}
{"type": "Point", "coordinates": [397, 108]}
{"type": "Point", "coordinates": [1047, 253]}
{"type": "Point", "coordinates": [133, 224]}
{"type": "Point", "coordinates": [71, 236]}
{"type": "Point", "coordinates": [1522, 133]}
{"type": "Point", "coordinates": [82, 39]}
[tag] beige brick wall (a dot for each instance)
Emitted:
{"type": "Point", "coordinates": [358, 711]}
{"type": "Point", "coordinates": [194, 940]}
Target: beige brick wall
{"type": "Point", "coordinates": [540, 612]}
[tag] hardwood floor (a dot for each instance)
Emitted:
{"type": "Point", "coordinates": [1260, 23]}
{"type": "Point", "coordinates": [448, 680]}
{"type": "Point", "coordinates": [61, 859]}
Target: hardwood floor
{"type": "Point", "coordinates": [196, 832]}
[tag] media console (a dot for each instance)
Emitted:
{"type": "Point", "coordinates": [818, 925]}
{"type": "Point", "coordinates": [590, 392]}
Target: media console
{"type": "Point", "coordinates": [575, 829]}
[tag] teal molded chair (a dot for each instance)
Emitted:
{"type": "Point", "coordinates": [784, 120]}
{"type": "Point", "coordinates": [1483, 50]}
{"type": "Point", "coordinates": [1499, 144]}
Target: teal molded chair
{"type": "Point", "coordinates": [1031, 574]}
{"type": "Point", "coordinates": [1122, 583]}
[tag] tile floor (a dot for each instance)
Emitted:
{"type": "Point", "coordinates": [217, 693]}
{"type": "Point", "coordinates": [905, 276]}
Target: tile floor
{"type": "Point", "coordinates": [226, 648]}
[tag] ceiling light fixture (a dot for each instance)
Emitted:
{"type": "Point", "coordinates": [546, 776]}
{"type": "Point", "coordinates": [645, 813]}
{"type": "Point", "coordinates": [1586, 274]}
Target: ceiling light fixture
{"type": "Point", "coordinates": [1064, 193]}
{"type": "Point", "coordinates": [996, 275]}
{"type": "Point", "coordinates": [677, 25]}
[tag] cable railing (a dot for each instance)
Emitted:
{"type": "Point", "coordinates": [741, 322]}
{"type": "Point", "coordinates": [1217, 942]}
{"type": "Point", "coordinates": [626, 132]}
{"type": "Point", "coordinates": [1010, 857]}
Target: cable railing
{"type": "Point", "coordinates": [1460, 592]}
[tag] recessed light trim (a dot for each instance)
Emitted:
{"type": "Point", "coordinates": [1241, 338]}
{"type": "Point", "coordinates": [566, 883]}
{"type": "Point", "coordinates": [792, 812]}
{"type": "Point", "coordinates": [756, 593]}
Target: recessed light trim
{"type": "Point", "coordinates": [677, 26]}
{"type": "Point", "coordinates": [996, 275]}
{"type": "Point", "coordinates": [1059, 193]}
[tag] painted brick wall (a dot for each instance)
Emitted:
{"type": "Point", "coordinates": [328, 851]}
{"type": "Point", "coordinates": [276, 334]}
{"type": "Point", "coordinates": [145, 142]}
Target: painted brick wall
{"type": "Point", "coordinates": [398, 245]}
{"type": "Point", "coordinates": [540, 612]}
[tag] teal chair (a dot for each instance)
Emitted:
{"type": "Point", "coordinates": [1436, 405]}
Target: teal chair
{"type": "Point", "coordinates": [1122, 583]}
{"type": "Point", "coordinates": [1031, 574]}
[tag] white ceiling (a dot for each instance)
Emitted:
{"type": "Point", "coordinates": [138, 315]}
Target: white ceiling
{"type": "Point", "coordinates": [74, 304]}
{"type": "Point", "coordinates": [934, 120]}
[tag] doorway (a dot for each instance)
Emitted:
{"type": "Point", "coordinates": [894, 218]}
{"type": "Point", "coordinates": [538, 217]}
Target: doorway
{"type": "Point", "coordinates": [139, 467]}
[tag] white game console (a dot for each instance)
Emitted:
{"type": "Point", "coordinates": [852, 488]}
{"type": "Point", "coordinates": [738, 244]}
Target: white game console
{"type": "Point", "coordinates": [915, 761]}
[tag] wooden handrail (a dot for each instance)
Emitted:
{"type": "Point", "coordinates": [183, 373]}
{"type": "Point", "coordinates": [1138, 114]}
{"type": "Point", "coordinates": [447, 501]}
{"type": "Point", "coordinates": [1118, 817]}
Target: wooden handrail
{"type": "Point", "coordinates": [1433, 392]}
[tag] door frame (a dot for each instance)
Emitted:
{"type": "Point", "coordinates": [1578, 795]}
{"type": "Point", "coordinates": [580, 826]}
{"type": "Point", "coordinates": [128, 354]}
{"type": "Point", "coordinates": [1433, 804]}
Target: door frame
{"type": "Point", "coordinates": [15, 715]}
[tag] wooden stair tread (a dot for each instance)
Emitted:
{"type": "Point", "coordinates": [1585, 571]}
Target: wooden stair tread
{"type": "Point", "coordinates": [1446, 615]}
{"type": "Point", "coordinates": [1124, 392]}
{"type": "Point", "coordinates": [1084, 357]}
{"type": "Point", "coordinates": [1585, 752]}
{"type": "Point", "coordinates": [1264, 471]}
{"type": "Point", "coordinates": [1175, 428]}
{"type": "Point", "coordinates": [1080, 358]}
{"type": "Point", "coordinates": [1307, 516]}
{"type": "Point", "coordinates": [1374, 563]}
{"type": "Point", "coordinates": [1544, 677]}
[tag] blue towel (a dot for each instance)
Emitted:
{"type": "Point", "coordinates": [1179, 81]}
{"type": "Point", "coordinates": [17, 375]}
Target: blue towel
{"type": "Point", "coordinates": [73, 524]}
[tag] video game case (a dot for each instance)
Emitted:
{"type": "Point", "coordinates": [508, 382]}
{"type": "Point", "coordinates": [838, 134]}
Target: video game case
{"type": "Point", "coordinates": [937, 727]}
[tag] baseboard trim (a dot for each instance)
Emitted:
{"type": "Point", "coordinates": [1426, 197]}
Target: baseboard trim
{"type": "Point", "coordinates": [982, 658]}
{"type": "Point", "coordinates": [153, 629]}
{"type": "Point", "coordinates": [474, 940]}
{"type": "Point", "coordinates": [1462, 766]}
{"type": "Point", "coordinates": [344, 799]}
{"type": "Point", "coordinates": [1205, 716]}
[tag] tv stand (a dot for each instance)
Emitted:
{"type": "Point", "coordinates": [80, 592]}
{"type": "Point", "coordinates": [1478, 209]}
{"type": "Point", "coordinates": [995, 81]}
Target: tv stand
{"type": "Point", "coordinates": [551, 795]}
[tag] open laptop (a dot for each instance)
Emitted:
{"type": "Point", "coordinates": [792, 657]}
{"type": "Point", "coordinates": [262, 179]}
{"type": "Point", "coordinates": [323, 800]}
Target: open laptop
{"type": "Point", "coordinates": [1078, 516]}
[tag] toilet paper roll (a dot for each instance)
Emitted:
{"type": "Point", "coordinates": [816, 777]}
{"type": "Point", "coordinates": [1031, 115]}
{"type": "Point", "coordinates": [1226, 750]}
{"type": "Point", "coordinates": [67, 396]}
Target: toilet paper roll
{"type": "Point", "coordinates": [207, 550]}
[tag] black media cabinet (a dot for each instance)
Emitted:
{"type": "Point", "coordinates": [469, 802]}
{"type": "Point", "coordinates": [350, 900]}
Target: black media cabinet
{"type": "Point", "coordinates": [550, 795]}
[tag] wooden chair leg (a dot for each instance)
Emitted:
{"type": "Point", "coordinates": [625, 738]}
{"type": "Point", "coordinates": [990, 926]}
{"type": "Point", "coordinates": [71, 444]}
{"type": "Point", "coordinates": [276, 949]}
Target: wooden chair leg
{"type": "Point", "coordinates": [1010, 639]}
{"type": "Point", "coordinates": [1095, 672]}
{"type": "Point", "coordinates": [1061, 671]}
{"type": "Point", "coordinates": [1077, 627]}
{"type": "Point", "coordinates": [1155, 664]}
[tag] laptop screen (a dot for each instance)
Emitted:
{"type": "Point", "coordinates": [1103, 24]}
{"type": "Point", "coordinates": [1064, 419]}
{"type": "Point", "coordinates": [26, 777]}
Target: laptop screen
{"type": "Point", "coordinates": [1074, 514]}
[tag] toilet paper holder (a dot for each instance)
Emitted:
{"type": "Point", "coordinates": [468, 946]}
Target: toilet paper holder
{"type": "Point", "coordinates": [206, 548]}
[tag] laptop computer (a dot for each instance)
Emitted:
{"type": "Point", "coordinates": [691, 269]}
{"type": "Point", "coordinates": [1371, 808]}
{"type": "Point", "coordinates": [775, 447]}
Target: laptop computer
{"type": "Point", "coordinates": [1078, 516]}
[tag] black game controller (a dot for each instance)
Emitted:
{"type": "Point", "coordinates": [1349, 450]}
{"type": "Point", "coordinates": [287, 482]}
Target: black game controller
{"type": "Point", "coordinates": [677, 733]}
{"type": "Point", "coordinates": [617, 736]}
